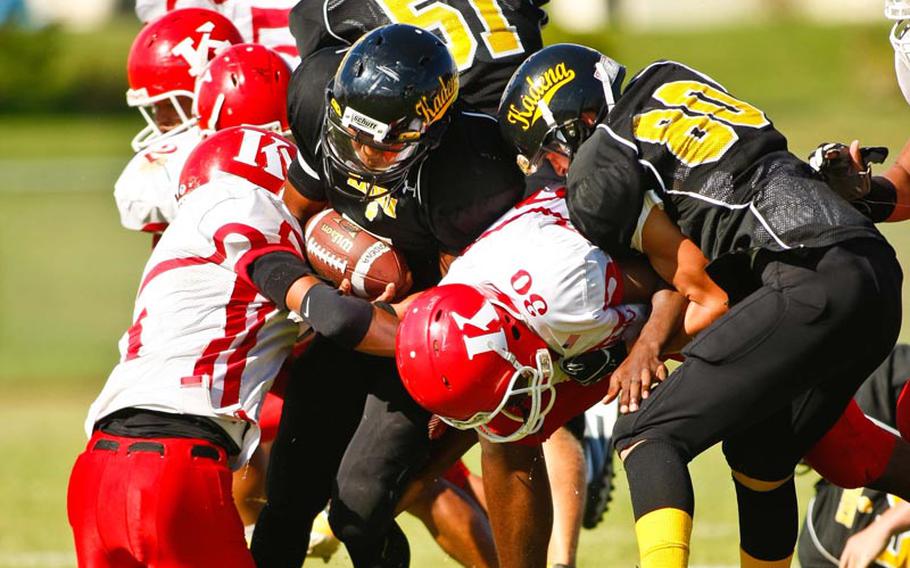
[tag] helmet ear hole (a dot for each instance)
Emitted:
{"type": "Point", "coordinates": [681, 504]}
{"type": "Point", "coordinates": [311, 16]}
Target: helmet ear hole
{"type": "Point", "coordinates": [423, 61]}
{"type": "Point", "coordinates": [438, 315]}
{"type": "Point", "coordinates": [235, 80]}
{"type": "Point", "coordinates": [445, 381]}
{"type": "Point", "coordinates": [516, 333]}
{"type": "Point", "coordinates": [436, 346]}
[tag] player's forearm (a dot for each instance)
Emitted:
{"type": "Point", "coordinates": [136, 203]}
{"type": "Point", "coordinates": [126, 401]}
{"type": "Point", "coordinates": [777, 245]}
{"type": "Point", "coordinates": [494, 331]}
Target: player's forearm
{"type": "Point", "coordinates": [380, 337]}
{"type": "Point", "coordinates": [680, 262]}
{"type": "Point", "coordinates": [662, 330]}
{"type": "Point", "coordinates": [896, 519]}
{"type": "Point", "coordinates": [899, 176]}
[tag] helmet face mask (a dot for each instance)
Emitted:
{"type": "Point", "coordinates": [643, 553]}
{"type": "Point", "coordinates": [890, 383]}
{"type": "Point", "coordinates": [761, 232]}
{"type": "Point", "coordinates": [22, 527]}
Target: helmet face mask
{"type": "Point", "coordinates": [527, 401]}
{"type": "Point", "coordinates": [166, 115]}
{"type": "Point", "coordinates": [385, 109]}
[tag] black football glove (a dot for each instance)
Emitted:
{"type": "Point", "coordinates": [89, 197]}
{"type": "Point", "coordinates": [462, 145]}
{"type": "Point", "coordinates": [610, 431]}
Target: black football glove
{"type": "Point", "coordinates": [589, 367]}
{"type": "Point", "coordinates": [833, 163]}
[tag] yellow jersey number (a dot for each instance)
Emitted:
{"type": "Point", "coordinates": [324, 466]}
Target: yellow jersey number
{"type": "Point", "coordinates": [705, 132]}
{"type": "Point", "coordinates": [500, 38]}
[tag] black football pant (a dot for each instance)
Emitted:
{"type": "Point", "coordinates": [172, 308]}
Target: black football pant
{"type": "Point", "coordinates": [350, 432]}
{"type": "Point", "coordinates": [772, 375]}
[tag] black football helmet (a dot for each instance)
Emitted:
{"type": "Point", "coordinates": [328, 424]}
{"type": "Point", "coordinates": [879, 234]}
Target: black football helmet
{"type": "Point", "coordinates": [386, 107]}
{"type": "Point", "coordinates": [554, 100]}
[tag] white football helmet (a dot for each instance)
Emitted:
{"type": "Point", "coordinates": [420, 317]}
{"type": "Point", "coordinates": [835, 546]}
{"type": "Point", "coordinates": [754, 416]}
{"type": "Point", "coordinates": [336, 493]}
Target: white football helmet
{"type": "Point", "coordinates": [897, 9]}
{"type": "Point", "coordinates": [900, 41]}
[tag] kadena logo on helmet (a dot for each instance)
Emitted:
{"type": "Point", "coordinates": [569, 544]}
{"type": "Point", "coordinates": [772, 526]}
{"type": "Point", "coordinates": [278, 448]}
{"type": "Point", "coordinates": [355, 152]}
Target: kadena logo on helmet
{"type": "Point", "coordinates": [540, 88]}
{"type": "Point", "coordinates": [434, 108]}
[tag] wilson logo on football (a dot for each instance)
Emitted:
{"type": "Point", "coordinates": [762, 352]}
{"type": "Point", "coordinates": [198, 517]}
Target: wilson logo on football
{"type": "Point", "coordinates": [540, 92]}
{"type": "Point", "coordinates": [432, 109]}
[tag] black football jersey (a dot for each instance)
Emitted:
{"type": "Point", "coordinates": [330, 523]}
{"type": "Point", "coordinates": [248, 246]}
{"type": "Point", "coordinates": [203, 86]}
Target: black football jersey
{"type": "Point", "coordinates": [487, 38]}
{"type": "Point", "coordinates": [462, 185]}
{"type": "Point", "coordinates": [836, 514]}
{"type": "Point", "coordinates": [717, 162]}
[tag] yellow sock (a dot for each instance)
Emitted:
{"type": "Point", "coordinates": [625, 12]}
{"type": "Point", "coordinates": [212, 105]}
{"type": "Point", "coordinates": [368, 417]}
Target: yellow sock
{"type": "Point", "coordinates": [746, 561]}
{"type": "Point", "coordinates": [663, 538]}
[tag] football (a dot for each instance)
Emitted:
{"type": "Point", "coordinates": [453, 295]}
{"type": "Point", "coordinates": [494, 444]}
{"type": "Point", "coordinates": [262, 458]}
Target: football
{"type": "Point", "coordinates": [338, 248]}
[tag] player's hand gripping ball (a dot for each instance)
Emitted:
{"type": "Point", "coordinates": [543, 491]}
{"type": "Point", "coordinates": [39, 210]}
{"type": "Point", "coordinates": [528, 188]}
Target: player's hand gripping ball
{"type": "Point", "coordinates": [339, 249]}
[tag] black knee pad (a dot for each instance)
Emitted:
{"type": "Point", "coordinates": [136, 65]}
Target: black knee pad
{"type": "Point", "coordinates": [389, 550]}
{"type": "Point", "coordinates": [768, 520]}
{"type": "Point", "coordinates": [654, 459]}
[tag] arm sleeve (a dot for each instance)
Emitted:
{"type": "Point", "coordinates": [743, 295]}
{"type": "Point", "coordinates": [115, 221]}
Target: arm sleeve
{"type": "Point", "coordinates": [343, 319]}
{"type": "Point", "coordinates": [605, 193]}
{"type": "Point", "coordinates": [879, 203]}
{"type": "Point", "coordinates": [274, 273]}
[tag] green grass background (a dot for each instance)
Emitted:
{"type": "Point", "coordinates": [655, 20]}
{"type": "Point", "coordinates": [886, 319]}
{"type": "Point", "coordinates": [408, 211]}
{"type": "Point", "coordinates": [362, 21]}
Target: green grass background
{"type": "Point", "coordinates": [68, 272]}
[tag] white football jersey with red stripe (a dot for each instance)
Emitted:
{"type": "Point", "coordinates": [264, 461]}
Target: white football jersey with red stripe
{"type": "Point", "coordinates": [146, 191]}
{"type": "Point", "coordinates": [203, 340]}
{"type": "Point", "coordinates": [259, 21]}
{"type": "Point", "coordinates": [566, 289]}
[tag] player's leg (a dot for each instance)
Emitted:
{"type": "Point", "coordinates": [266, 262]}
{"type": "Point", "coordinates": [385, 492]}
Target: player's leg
{"type": "Point", "coordinates": [188, 510]}
{"type": "Point", "coordinates": [565, 460]}
{"type": "Point", "coordinates": [323, 404]}
{"type": "Point", "coordinates": [95, 496]}
{"type": "Point", "coordinates": [390, 446]}
{"type": "Point", "coordinates": [518, 496]}
{"type": "Point", "coordinates": [747, 365]}
{"type": "Point", "coordinates": [457, 523]}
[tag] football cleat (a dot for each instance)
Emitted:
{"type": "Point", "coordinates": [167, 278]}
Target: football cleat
{"type": "Point", "coordinates": [323, 542]}
{"type": "Point", "coordinates": [598, 446]}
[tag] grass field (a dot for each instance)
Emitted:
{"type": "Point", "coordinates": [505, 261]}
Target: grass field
{"type": "Point", "coordinates": [68, 271]}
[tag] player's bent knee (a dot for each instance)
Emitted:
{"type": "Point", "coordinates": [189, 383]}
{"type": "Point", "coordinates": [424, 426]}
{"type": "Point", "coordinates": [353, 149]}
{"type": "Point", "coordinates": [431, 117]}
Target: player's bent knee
{"type": "Point", "coordinates": [758, 485]}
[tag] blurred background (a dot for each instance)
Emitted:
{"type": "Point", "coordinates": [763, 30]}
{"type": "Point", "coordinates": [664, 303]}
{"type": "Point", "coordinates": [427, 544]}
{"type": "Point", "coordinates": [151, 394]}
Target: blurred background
{"type": "Point", "coordinates": [821, 70]}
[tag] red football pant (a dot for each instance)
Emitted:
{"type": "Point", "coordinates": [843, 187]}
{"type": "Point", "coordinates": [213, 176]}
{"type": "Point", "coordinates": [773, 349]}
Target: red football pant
{"type": "Point", "coordinates": [154, 504]}
{"type": "Point", "coordinates": [854, 452]}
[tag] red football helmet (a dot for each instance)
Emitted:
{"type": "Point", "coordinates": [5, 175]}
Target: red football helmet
{"type": "Point", "coordinates": [164, 61]}
{"type": "Point", "coordinates": [256, 155]}
{"type": "Point", "coordinates": [464, 356]}
{"type": "Point", "coordinates": [244, 84]}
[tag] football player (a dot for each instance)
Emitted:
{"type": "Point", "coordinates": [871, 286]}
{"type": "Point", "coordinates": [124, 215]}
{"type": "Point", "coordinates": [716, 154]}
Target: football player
{"type": "Point", "coordinates": [209, 333]}
{"type": "Point", "coordinates": [488, 39]}
{"type": "Point", "coordinates": [856, 528]}
{"type": "Point", "coordinates": [701, 183]}
{"type": "Point", "coordinates": [244, 85]}
{"type": "Point", "coordinates": [260, 21]}
{"type": "Point", "coordinates": [164, 61]}
{"type": "Point", "coordinates": [847, 169]}
{"type": "Point", "coordinates": [383, 140]}
{"type": "Point", "coordinates": [514, 342]}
